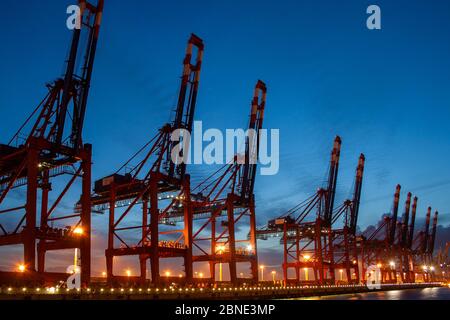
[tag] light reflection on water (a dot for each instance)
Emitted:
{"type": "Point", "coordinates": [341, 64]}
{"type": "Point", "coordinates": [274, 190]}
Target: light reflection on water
{"type": "Point", "coordinates": [412, 294]}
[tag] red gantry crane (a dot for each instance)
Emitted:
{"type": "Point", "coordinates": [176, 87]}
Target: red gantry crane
{"type": "Point", "coordinates": [404, 257]}
{"type": "Point", "coordinates": [425, 248]}
{"type": "Point", "coordinates": [226, 201]}
{"type": "Point", "coordinates": [395, 250]}
{"type": "Point", "coordinates": [346, 242]}
{"type": "Point", "coordinates": [443, 261]}
{"type": "Point", "coordinates": [377, 247]}
{"type": "Point", "coordinates": [309, 244]}
{"type": "Point", "coordinates": [44, 166]}
{"type": "Point", "coordinates": [411, 256]}
{"type": "Point", "coordinates": [405, 253]}
{"type": "Point", "coordinates": [140, 197]}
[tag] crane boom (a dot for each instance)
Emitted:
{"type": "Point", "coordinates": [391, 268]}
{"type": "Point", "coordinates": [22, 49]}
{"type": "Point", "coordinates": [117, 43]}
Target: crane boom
{"type": "Point", "coordinates": [425, 232]}
{"type": "Point", "coordinates": [393, 222]}
{"type": "Point", "coordinates": [252, 141]}
{"type": "Point", "coordinates": [72, 88]}
{"type": "Point", "coordinates": [332, 180]}
{"type": "Point", "coordinates": [53, 154]}
{"type": "Point", "coordinates": [433, 234]}
{"type": "Point", "coordinates": [357, 193]}
{"type": "Point", "coordinates": [187, 98]}
{"type": "Point", "coordinates": [411, 225]}
{"type": "Point", "coordinates": [404, 231]}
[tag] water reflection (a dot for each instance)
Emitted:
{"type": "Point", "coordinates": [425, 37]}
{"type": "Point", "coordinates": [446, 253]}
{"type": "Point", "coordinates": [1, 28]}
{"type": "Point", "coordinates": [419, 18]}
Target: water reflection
{"type": "Point", "coordinates": [412, 294]}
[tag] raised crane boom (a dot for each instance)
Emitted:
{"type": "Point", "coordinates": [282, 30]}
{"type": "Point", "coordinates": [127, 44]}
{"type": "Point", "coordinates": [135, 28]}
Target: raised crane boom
{"type": "Point", "coordinates": [404, 231]}
{"type": "Point", "coordinates": [156, 155]}
{"type": "Point", "coordinates": [226, 197]}
{"type": "Point", "coordinates": [320, 203]}
{"type": "Point", "coordinates": [357, 194]}
{"type": "Point", "coordinates": [430, 249]}
{"type": "Point", "coordinates": [424, 244]}
{"type": "Point", "coordinates": [411, 225]}
{"type": "Point", "coordinates": [68, 95]}
{"type": "Point", "coordinates": [332, 180]}
{"type": "Point", "coordinates": [393, 220]}
{"type": "Point", "coordinates": [49, 164]}
{"type": "Point", "coordinates": [252, 142]}
{"type": "Point", "coordinates": [238, 176]}
{"type": "Point", "coordinates": [157, 183]}
{"type": "Point", "coordinates": [187, 99]}
{"type": "Point", "coordinates": [350, 208]}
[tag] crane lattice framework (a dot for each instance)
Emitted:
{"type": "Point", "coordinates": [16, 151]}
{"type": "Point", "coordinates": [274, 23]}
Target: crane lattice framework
{"type": "Point", "coordinates": [377, 247]}
{"type": "Point", "coordinates": [227, 197]}
{"type": "Point", "coordinates": [443, 261]}
{"type": "Point", "coordinates": [308, 244]}
{"type": "Point", "coordinates": [158, 185]}
{"type": "Point", "coordinates": [394, 249]}
{"type": "Point", "coordinates": [404, 255]}
{"type": "Point", "coordinates": [53, 149]}
{"type": "Point", "coordinates": [423, 249]}
{"type": "Point", "coordinates": [346, 244]}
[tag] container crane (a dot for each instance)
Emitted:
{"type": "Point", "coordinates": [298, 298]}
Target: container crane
{"type": "Point", "coordinates": [419, 248]}
{"type": "Point", "coordinates": [227, 197]}
{"type": "Point", "coordinates": [409, 257]}
{"type": "Point", "coordinates": [345, 241]}
{"type": "Point", "coordinates": [412, 223]}
{"type": "Point", "coordinates": [423, 252]}
{"type": "Point", "coordinates": [443, 261]}
{"type": "Point", "coordinates": [308, 244]}
{"type": "Point", "coordinates": [430, 249]}
{"type": "Point", "coordinates": [377, 247]}
{"type": "Point", "coordinates": [53, 148]}
{"type": "Point", "coordinates": [158, 185]}
{"type": "Point", "coordinates": [403, 253]}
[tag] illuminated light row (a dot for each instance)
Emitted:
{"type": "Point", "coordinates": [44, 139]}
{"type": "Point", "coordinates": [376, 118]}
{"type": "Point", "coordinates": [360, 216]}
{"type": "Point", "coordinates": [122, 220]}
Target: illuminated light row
{"type": "Point", "coordinates": [53, 290]}
{"type": "Point", "coordinates": [171, 197]}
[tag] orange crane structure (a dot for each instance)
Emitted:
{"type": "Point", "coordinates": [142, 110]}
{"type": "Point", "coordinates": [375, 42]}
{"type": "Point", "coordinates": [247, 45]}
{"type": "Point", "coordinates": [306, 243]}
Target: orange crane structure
{"type": "Point", "coordinates": [404, 256]}
{"type": "Point", "coordinates": [377, 248]}
{"type": "Point", "coordinates": [226, 201]}
{"type": "Point", "coordinates": [346, 244]}
{"type": "Point", "coordinates": [155, 214]}
{"type": "Point", "coordinates": [408, 259]}
{"type": "Point", "coordinates": [443, 262]}
{"type": "Point", "coordinates": [309, 244]}
{"type": "Point", "coordinates": [394, 249]}
{"type": "Point", "coordinates": [424, 249]}
{"type": "Point", "coordinates": [150, 189]}
{"type": "Point", "coordinates": [46, 157]}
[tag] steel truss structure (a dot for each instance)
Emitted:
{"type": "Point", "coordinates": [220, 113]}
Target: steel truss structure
{"type": "Point", "coordinates": [346, 243]}
{"type": "Point", "coordinates": [397, 253]}
{"type": "Point", "coordinates": [227, 197]}
{"type": "Point", "coordinates": [158, 185]}
{"type": "Point", "coordinates": [53, 149]}
{"type": "Point", "coordinates": [308, 244]}
{"type": "Point", "coordinates": [155, 214]}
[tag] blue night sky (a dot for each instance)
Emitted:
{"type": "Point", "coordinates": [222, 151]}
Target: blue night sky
{"type": "Point", "coordinates": [385, 92]}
